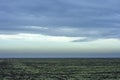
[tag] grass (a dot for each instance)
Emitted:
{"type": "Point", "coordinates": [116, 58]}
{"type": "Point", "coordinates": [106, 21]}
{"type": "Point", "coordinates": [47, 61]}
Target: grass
{"type": "Point", "coordinates": [60, 69]}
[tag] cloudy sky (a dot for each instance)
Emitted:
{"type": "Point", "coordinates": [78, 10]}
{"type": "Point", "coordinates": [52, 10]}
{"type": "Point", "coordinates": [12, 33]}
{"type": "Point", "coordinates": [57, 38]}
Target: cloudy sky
{"type": "Point", "coordinates": [59, 28]}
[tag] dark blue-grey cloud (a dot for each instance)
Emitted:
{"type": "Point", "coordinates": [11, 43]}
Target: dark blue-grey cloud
{"type": "Point", "coordinates": [85, 18]}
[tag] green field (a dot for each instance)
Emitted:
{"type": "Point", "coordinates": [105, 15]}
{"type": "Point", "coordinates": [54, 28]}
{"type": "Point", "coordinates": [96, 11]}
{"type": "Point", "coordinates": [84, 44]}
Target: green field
{"type": "Point", "coordinates": [60, 69]}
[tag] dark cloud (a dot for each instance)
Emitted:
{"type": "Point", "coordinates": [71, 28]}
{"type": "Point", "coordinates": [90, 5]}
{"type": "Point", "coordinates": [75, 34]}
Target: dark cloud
{"type": "Point", "coordinates": [84, 40]}
{"type": "Point", "coordinates": [84, 18]}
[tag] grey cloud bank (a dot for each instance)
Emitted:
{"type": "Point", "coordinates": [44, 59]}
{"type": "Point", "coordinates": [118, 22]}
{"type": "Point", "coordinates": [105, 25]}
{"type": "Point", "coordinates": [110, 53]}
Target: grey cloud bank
{"type": "Point", "coordinates": [82, 18]}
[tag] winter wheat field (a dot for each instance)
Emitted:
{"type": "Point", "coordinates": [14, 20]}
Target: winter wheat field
{"type": "Point", "coordinates": [60, 69]}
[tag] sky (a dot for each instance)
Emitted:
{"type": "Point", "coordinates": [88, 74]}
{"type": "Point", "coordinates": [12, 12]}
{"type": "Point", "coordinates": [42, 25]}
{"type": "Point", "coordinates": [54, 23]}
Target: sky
{"type": "Point", "coordinates": [59, 28]}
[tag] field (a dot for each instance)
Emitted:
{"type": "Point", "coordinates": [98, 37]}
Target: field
{"type": "Point", "coordinates": [60, 69]}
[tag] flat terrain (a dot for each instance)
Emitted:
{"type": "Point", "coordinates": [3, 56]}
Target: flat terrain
{"type": "Point", "coordinates": [60, 69]}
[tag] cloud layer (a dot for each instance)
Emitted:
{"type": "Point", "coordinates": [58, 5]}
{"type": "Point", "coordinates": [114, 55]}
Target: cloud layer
{"type": "Point", "coordinates": [38, 37]}
{"type": "Point", "coordinates": [79, 18]}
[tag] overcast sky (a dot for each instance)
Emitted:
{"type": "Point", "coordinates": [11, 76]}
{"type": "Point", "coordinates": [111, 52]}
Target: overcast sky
{"type": "Point", "coordinates": [59, 28]}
